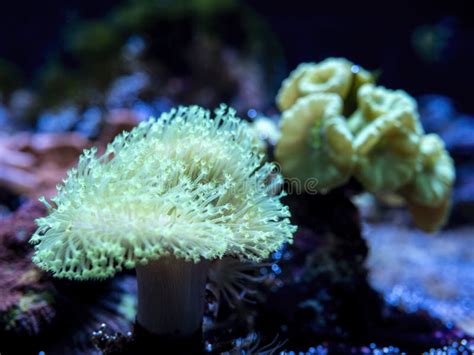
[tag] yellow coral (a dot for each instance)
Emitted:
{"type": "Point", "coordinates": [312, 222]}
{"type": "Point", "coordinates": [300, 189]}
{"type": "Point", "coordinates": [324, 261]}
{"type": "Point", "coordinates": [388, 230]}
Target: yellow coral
{"type": "Point", "coordinates": [184, 185]}
{"type": "Point", "coordinates": [360, 77]}
{"type": "Point", "coordinates": [377, 101]}
{"type": "Point", "coordinates": [333, 75]}
{"type": "Point", "coordinates": [387, 133]}
{"type": "Point", "coordinates": [435, 174]}
{"type": "Point", "coordinates": [315, 142]}
{"type": "Point", "coordinates": [428, 194]}
{"type": "Point", "coordinates": [289, 91]}
{"type": "Point", "coordinates": [429, 218]}
{"type": "Point", "coordinates": [383, 135]}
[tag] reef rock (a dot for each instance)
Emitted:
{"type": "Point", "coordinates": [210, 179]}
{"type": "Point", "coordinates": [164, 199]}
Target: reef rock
{"type": "Point", "coordinates": [26, 294]}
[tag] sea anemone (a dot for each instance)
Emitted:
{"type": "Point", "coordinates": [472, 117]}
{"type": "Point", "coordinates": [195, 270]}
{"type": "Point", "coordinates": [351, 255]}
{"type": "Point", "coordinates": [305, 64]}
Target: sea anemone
{"type": "Point", "coordinates": [333, 75]}
{"type": "Point", "coordinates": [315, 142]}
{"type": "Point", "coordinates": [428, 194]}
{"type": "Point", "coordinates": [163, 199]}
{"type": "Point", "coordinates": [387, 134]}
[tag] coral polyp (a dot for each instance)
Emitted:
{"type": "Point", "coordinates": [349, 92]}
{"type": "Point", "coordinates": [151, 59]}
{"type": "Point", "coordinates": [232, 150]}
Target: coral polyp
{"type": "Point", "coordinates": [435, 175]}
{"type": "Point", "coordinates": [182, 185]}
{"type": "Point", "coordinates": [429, 194]}
{"type": "Point", "coordinates": [387, 135]}
{"type": "Point", "coordinates": [163, 199]}
{"type": "Point", "coordinates": [315, 142]}
{"type": "Point", "coordinates": [332, 75]}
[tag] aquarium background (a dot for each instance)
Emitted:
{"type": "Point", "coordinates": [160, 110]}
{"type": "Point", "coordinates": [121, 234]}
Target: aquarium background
{"type": "Point", "coordinates": [74, 74]}
{"type": "Point", "coordinates": [430, 43]}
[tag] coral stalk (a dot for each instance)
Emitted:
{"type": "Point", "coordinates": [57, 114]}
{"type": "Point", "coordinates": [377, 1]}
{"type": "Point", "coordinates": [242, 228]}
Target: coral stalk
{"type": "Point", "coordinates": [171, 296]}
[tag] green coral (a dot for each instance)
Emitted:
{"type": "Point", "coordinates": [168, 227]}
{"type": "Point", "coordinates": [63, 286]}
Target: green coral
{"type": "Point", "coordinates": [183, 185]}
{"type": "Point", "coordinates": [430, 218]}
{"type": "Point", "coordinates": [381, 143]}
{"type": "Point", "coordinates": [387, 134]}
{"type": "Point", "coordinates": [333, 75]}
{"type": "Point", "coordinates": [435, 173]}
{"type": "Point", "coordinates": [377, 101]}
{"type": "Point", "coordinates": [429, 193]}
{"type": "Point", "coordinates": [315, 141]}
